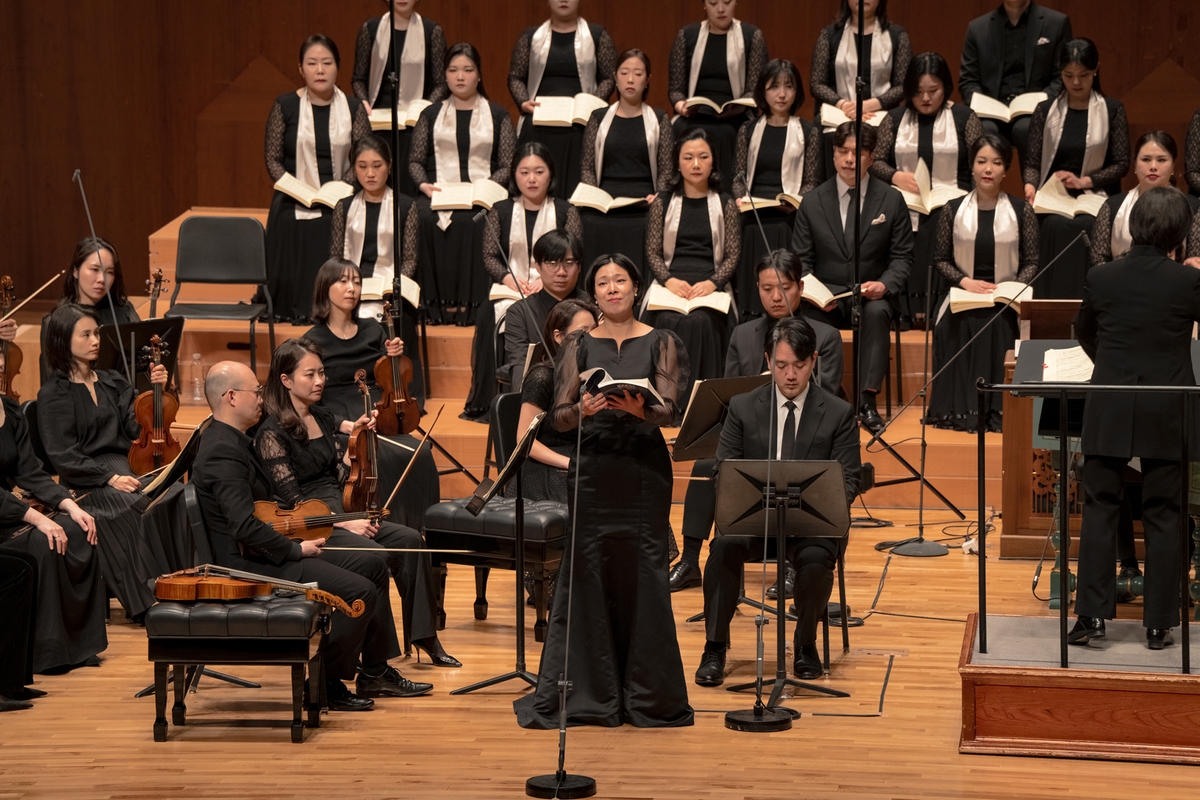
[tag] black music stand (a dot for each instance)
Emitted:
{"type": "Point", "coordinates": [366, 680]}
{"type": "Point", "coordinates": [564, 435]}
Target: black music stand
{"type": "Point", "coordinates": [482, 496]}
{"type": "Point", "coordinates": [746, 492]}
{"type": "Point", "coordinates": [134, 336]}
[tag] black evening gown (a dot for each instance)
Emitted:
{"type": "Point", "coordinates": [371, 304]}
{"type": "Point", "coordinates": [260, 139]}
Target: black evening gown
{"type": "Point", "coordinates": [69, 598]}
{"type": "Point", "coordinates": [1064, 280]}
{"type": "Point", "coordinates": [344, 357]}
{"type": "Point", "coordinates": [624, 663]}
{"type": "Point", "coordinates": [560, 79]}
{"type": "Point", "coordinates": [18, 593]}
{"type": "Point", "coordinates": [627, 173]}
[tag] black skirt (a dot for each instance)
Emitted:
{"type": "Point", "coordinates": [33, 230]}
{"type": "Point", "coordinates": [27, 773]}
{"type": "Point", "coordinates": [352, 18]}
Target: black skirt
{"type": "Point", "coordinates": [422, 487]}
{"type": "Point", "coordinates": [296, 249]}
{"type": "Point", "coordinates": [912, 301]}
{"type": "Point", "coordinates": [622, 230]}
{"type": "Point", "coordinates": [953, 402]}
{"type": "Point", "coordinates": [777, 225]}
{"type": "Point", "coordinates": [483, 364]}
{"type": "Point", "coordinates": [1064, 280]}
{"type": "Point", "coordinates": [566, 149]}
{"type": "Point", "coordinates": [450, 265]}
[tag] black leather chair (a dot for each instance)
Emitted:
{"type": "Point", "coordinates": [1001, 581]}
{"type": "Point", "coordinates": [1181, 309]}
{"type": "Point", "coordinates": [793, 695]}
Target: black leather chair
{"type": "Point", "coordinates": [29, 410]}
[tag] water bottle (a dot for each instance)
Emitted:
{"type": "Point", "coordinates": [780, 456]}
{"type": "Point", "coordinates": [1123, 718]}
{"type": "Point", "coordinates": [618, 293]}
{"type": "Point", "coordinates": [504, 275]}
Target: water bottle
{"type": "Point", "coordinates": [197, 379]}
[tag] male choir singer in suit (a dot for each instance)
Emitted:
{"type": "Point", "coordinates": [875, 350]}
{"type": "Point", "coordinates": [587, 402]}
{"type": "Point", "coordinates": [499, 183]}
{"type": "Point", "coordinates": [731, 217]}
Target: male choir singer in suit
{"type": "Point", "coordinates": [823, 237]}
{"type": "Point", "coordinates": [1136, 325]}
{"type": "Point", "coordinates": [789, 419]}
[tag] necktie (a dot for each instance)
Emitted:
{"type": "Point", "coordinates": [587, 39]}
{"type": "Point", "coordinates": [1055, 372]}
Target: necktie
{"type": "Point", "coordinates": [851, 214]}
{"type": "Point", "coordinates": [788, 447]}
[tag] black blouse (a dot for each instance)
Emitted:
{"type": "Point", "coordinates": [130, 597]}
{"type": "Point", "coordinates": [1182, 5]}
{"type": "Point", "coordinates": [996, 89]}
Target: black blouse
{"type": "Point", "coordinates": [283, 125]}
{"type": "Point", "coordinates": [344, 357]}
{"type": "Point", "coordinates": [627, 171]}
{"type": "Point", "coordinates": [1073, 144]}
{"type": "Point", "coordinates": [694, 242]}
{"type": "Point", "coordinates": [422, 158]}
{"type": "Point", "coordinates": [966, 125]}
{"type": "Point", "coordinates": [561, 77]}
{"type": "Point", "coordinates": [985, 246]}
{"type": "Point", "coordinates": [537, 389]}
{"type": "Point", "coordinates": [434, 69]}
{"type": "Point", "coordinates": [75, 430]}
{"type": "Point", "coordinates": [20, 467]}
{"type": "Point", "coordinates": [768, 168]}
{"type": "Point", "coordinates": [301, 470]}
{"type": "Point", "coordinates": [713, 80]}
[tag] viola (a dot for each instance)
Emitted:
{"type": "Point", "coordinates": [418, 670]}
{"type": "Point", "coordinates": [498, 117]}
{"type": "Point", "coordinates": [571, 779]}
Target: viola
{"type": "Point", "coordinates": [398, 411]}
{"type": "Point", "coordinates": [362, 487]}
{"type": "Point", "coordinates": [155, 411]}
{"type": "Point", "coordinates": [210, 582]}
{"type": "Point", "coordinates": [154, 287]}
{"type": "Point", "coordinates": [310, 519]}
{"type": "Point", "coordinates": [10, 354]}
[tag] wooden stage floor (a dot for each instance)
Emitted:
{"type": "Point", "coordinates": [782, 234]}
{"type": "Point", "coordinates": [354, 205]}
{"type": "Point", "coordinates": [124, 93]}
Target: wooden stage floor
{"type": "Point", "coordinates": [91, 739]}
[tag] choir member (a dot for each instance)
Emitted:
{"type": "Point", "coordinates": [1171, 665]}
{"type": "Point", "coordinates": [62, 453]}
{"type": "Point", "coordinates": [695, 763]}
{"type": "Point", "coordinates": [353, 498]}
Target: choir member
{"type": "Point", "coordinates": [1191, 155]}
{"type": "Point", "coordinates": [983, 239]}
{"type": "Point", "coordinates": [835, 66]}
{"type": "Point", "coordinates": [939, 132]}
{"type": "Point", "coordinates": [309, 135]}
{"type": "Point", "coordinates": [87, 426]}
{"type": "Point", "coordinates": [626, 153]}
{"type": "Point", "coordinates": [1009, 52]}
{"type": "Point", "coordinates": [563, 57]}
{"type": "Point", "coordinates": [721, 60]}
{"type": "Point", "coordinates": [351, 341]}
{"type": "Point", "coordinates": [59, 544]}
{"type": "Point", "coordinates": [1082, 138]}
{"type": "Point", "coordinates": [693, 243]}
{"type": "Point", "coordinates": [778, 152]}
{"type": "Point", "coordinates": [305, 459]}
{"type": "Point", "coordinates": [463, 139]}
{"type": "Point", "coordinates": [421, 70]}
{"type": "Point", "coordinates": [824, 240]}
{"type": "Point", "coordinates": [812, 424]}
{"type": "Point", "coordinates": [624, 657]}
{"type": "Point", "coordinates": [362, 232]}
{"type": "Point", "coordinates": [18, 585]}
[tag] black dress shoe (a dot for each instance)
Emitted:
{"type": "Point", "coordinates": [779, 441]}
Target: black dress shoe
{"type": "Point", "coordinates": [684, 575]}
{"type": "Point", "coordinates": [342, 699]}
{"type": "Point", "coordinates": [712, 667]}
{"type": "Point", "coordinates": [789, 585]}
{"type": "Point", "coordinates": [1086, 629]}
{"type": "Point", "coordinates": [390, 684]}
{"type": "Point", "coordinates": [807, 665]}
{"type": "Point", "coordinates": [13, 705]}
{"type": "Point", "coordinates": [869, 417]}
{"type": "Point", "coordinates": [1158, 638]}
{"type": "Point", "coordinates": [26, 693]}
{"type": "Point", "coordinates": [438, 657]}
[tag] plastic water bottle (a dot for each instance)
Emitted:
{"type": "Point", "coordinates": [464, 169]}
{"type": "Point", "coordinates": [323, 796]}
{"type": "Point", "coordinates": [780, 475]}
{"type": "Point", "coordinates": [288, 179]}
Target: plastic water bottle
{"type": "Point", "coordinates": [197, 379]}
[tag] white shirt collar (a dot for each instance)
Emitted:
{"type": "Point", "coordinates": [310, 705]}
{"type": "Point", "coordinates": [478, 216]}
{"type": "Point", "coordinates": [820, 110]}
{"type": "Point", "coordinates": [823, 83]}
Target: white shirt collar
{"type": "Point", "coordinates": [844, 187]}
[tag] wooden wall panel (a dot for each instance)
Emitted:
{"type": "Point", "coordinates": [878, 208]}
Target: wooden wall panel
{"type": "Point", "coordinates": [117, 88]}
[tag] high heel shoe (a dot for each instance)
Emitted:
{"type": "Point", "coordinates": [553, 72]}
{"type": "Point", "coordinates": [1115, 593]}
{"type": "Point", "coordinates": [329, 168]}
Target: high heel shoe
{"type": "Point", "coordinates": [442, 659]}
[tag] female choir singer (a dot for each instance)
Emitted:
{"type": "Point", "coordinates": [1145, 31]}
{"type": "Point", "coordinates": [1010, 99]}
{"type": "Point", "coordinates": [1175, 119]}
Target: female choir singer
{"type": "Point", "coordinates": [463, 139]}
{"type": "Point", "coordinates": [778, 152]}
{"type": "Point", "coordinates": [309, 135]}
{"type": "Point", "coordinates": [983, 239]}
{"type": "Point", "coordinates": [624, 663]}
{"type": "Point", "coordinates": [563, 57]}
{"type": "Point", "coordinates": [421, 70]}
{"type": "Point", "coordinates": [939, 132]}
{"type": "Point", "coordinates": [351, 341]}
{"type": "Point", "coordinates": [1082, 138]}
{"type": "Point", "coordinates": [720, 59]}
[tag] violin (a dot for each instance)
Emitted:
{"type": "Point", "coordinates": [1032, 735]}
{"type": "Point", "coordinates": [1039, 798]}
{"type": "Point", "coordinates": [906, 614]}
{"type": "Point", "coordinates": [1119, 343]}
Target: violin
{"type": "Point", "coordinates": [155, 411]}
{"type": "Point", "coordinates": [362, 487]}
{"type": "Point", "coordinates": [210, 582]}
{"type": "Point", "coordinates": [154, 287]}
{"type": "Point", "coordinates": [9, 352]}
{"type": "Point", "coordinates": [310, 519]}
{"type": "Point", "coordinates": [398, 411]}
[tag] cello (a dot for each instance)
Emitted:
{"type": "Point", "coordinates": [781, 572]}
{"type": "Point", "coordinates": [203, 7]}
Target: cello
{"type": "Point", "coordinates": [398, 411]}
{"type": "Point", "coordinates": [10, 354]}
{"type": "Point", "coordinates": [361, 493]}
{"type": "Point", "coordinates": [155, 411]}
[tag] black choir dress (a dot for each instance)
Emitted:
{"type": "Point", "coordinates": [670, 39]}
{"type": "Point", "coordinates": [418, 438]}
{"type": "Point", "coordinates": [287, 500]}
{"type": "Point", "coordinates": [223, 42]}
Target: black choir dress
{"type": "Point", "coordinates": [344, 357]}
{"type": "Point", "coordinates": [434, 89]}
{"type": "Point", "coordinates": [449, 261]}
{"type": "Point", "coordinates": [776, 222]}
{"type": "Point", "coordinates": [296, 248]}
{"type": "Point", "coordinates": [70, 600]}
{"type": "Point", "coordinates": [953, 400]}
{"type": "Point", "coordinates": [1065, 280]}
{"type": "Point", "coordinates": [88, 443]}
{"type": "Point", "coordinates": [124, 314]}
{"type": "Point", "coordinates": [560, 79]}
{"type": "Point", "coordinates": [624, 663]}
{"type": "Point", "coordinates": [627, 173]}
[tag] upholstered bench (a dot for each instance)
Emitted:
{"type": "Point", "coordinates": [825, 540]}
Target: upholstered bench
{"type": "Point", "coordinates": [490, 538]}
{"type": "Point", "coordinates": [264, 631]}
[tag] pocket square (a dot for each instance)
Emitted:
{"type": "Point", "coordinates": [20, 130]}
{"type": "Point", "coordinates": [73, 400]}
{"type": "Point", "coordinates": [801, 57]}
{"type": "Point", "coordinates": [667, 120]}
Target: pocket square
{"type": "Point", "coordinates": [1043, 40]}
{"type": "Point", "coordinates": [882, 218]}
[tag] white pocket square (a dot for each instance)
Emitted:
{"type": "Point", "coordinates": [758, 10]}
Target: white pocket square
{"type": "Point", "coordinates": [1043, 40]}
{"type": "Point", "coordinates": [882, 218]}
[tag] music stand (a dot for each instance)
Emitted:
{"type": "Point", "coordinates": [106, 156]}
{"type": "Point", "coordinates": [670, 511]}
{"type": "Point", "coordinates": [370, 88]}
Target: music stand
{"type": "Point", "coordinates": [700, 431]}
{"type": "Point", "coordinates": [747, 491]}
{"type": "Point", "coordinates": [483, 495]}
{"type": "Point", "coordinates": [134, 336]}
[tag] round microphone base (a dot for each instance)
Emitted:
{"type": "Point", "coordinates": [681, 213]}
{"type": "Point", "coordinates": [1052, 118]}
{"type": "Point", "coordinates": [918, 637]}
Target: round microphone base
{"type": "Point", "coordinates": [560, 785]}
{"type": "Point", "coordinates": [753, 720]}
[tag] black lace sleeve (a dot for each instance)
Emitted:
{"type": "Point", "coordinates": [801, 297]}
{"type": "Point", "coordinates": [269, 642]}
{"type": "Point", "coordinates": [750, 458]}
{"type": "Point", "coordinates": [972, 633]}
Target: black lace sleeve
{"type": "Point", "coordinates": [678, 69]}
{"type": "Point", "coordinates": [756, 61]}
{"type": "Point", "coordinates": [412, 237]}
{"type": "Point", "coordinates": [1191, 154]}
{"type": "Point", "coordinates": [273, 143]}
{"type": "Point", "coordinates": [418, 150]}
{"type": "Point", "coordinates": [1031, 166]}
{"type": "Point", "coordinates": [587, 165]}
{"type": "Point", "coordinates": [436, 58]}
{"type": "Point", "coordinates": [493, 251]}
{"type": "Point", "coordinates": [822, 57]}
{"type": "Point", "coordinates": [901, 55]}
{"type": "Point", "coordinates": [741, 160]}
{"type": "Point", "coordinates": [506, 146]}
{"type": "Point", "coordinates": [1028, 226]}
{"type": "Point", "coordinates": [972, 130]}
{"type": "Point", "coordinates": [883, 166]}
{"type": "Point", "coordinates": [814, 163]}
{"type": "Point", "coordinates": [537, 388]}
{"type": "Point", "coordinates": [359, 82]}
{"type": "Point", "coordinates": [572, 355]}
{"type": "Point", "coordinates": [731, 254]}
{"type": "Point", "coordinates": [943, 247]}
{"type": "Point", "coordinates": [1117, 157]}
{"type": "Point", "coordinates": [273, 450]}
{"type": "Point", "coordinates": [670, 377]}
{"type": "Point", "coordinates": [337, 227]}
{"type": "Point", "coordinates": [1101, 252]}
{"type": "Point", "coordinates": [654, 239]}
{"type": "Point", "coordinates": [574, 224]}
{"type": "Point", "coordinates": [666, 146]}
{"type": "Point", "coordinates": [606, 66]}
{"type": "Point", "coordinates": [1193, 240]}
{"type": "Point", "coordinates": [518, 69]}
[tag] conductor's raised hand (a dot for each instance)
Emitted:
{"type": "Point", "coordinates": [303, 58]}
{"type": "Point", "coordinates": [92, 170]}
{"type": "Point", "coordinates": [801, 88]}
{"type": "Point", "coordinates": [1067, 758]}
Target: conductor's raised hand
{"type": "Point", "coordinates": [631, 404]}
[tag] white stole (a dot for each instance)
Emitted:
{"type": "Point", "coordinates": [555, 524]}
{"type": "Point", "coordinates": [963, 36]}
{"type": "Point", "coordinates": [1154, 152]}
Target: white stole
{"type": "Point", "coordinates": [944, 170]}
{"type": "Point", "coordinates": [716, 218]}
{"type": "Point", "coordinates": [340, 131]}
{"type": "Point", "coordinates": [356, 233]}
{"type": "Point", "coordinates": [445, 146]}
{"type": "Point", "coordinates": [1122, 239]}
{"type": "Point", "coordinates": [585, 57]}
{"type": "Point", "coordinates": [735, 58]}
{"type": "Point", "coordinates": [845, 63]}
{"type": "Point", "coordinates": [793, 155]}
{"type": "Point", "coordinates": [1097, 135]}
{"type": "Point", "coordinates": [1006, 232]}
{"type": "Point", "coordinates": [519, 249]}
{"type": "Point", "coordinates": [412, 61]}
{"type": "Point", "coordinates": [649, 121]}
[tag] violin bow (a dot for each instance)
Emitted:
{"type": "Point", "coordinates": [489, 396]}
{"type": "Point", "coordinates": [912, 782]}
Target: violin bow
{"type": "Point", "coordinates": [417, 452]}
{"type": "Point", "coordinates": [40, 289]}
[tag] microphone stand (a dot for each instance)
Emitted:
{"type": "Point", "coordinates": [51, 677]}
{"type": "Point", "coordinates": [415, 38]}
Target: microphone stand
{"type": "Point", "coordinates": [856, 209]}
{"type": "Point", "coordinates": [78, 178]}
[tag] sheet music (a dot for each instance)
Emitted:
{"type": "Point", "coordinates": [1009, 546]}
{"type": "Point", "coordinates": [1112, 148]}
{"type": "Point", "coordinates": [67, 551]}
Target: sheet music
{"type": "Point", "coordinates": [1067, 366]}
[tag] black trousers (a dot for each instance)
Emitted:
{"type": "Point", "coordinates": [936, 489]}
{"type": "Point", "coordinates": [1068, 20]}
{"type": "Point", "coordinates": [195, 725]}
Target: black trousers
{"type": "Point", "coordinates": [18, 598]}
{"type": "Point", "coordinates": [874, 338]}
{"type": "Point", "coordinates": [1104, 491]}
{"type": "Point", "coordinates": [700, 502]}
{"type": "Point", "coordinates": [813, 560]}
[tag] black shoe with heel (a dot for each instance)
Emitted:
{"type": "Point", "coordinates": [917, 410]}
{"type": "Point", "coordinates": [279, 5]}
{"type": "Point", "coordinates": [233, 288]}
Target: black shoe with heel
{"type": "Point", "coordinates": [439, 658]}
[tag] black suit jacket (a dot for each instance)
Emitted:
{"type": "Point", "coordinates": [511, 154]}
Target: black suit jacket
{"type": "Point", "coordinates": [826, 431]}
{"type": "Point", "coordinates": [983, 56]}
{"type": "Point", "coordinates": [1136, 325]}
{"type": "Point", "coordinates": [886, 236]}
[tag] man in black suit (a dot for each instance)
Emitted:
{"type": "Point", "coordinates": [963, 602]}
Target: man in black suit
{"type": "Point", "coordinates": [1135, 323]}
{"type": "Point", "coordinates": [794, 420]}
{"type": "Point", "coordinates": [229, 479]}
{"type": "Point", "coordinates": [823, 237]}
{"type": "Point", "coordinates": [1009, 52]}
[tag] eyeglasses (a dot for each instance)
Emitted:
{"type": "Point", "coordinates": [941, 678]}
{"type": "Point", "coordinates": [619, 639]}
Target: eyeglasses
{"type": "Point", "coordinates": [258, 391]}
{"type": "Point", "coordinates": [565, 264]}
